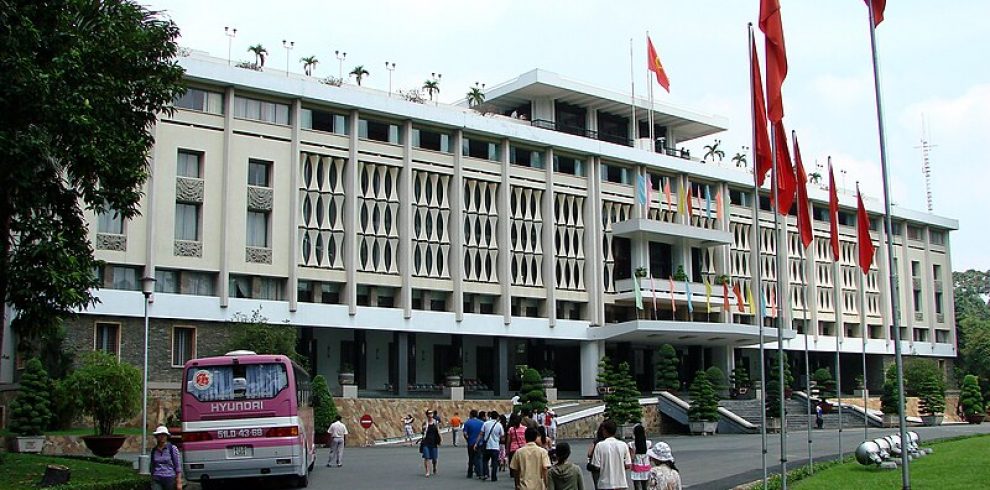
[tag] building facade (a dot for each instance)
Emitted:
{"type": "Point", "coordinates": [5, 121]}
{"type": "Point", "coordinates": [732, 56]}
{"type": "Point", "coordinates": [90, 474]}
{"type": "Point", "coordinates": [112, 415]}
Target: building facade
{"type": "Point", "coordinates": [403, 238]}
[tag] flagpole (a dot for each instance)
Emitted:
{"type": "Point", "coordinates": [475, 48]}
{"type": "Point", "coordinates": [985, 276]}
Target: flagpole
{"type": "Point", "coordinates": [780, 326]}
{"type": "Point", "coordinates": [632, 90]}
{"type": "Point", "coordinates": [804, 313]}
{"type": "Point", "coordinates": [649, 118]}
{"type": "Point", "coordinates": [888, 227]}
{"type": "Point", "coordinates": [757, 267]}
{"type": "Point", "coordinates": [863, 330]}
{"type": "Point", "coordinates": [839, 329]}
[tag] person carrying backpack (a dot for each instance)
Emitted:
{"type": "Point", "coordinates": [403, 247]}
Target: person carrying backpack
{"type": "Point", "coordinates": [166, 464]}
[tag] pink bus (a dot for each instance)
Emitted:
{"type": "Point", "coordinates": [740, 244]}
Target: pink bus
{"type": "Point", "coordinates": [246, 415]}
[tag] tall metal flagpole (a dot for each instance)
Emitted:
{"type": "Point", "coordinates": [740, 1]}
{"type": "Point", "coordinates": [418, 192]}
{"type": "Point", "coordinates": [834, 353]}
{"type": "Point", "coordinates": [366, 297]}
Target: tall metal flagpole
{"type": "Point", "coordinates": [632, 90]}
{"type": "Point", "coordinates": [888, 228]}
{"type": "Point", "coordinates": [863, 332]}
{"type": "Point", "coordinates": [757, 273]}
{"type": "Point", "coordinates": [779, 324]}
{"type": "Point", "coordinates": [649, 118]}
{"type": "Point", "coordinates": [839, 328]}
{"type": "Point", "coordinates": [804, 318]}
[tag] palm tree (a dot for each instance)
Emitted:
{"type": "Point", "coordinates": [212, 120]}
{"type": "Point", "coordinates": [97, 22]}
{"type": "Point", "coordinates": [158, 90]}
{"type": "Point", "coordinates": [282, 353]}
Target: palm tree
{"type": "Point", "coordinates": [739, 159]}
{"type": "Point", "coordinates": [815, 178]}
{"type": "Point", "coordinates": [259, 54]}
{"type": "Point", "coordinates": [713, 151]}
{"type": "Point", "coordinates": [359, 73]}
{"type": "Point", "coordinates": [309, 63]}
{"type": "Point", "coordinates": [475, 97]}
{"type": "Point", "coordinates": [431, 87]}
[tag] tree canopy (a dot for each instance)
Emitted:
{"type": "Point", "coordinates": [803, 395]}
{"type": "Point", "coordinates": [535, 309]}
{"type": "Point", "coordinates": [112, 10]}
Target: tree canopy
{"type": "Point", "coordinates": [81, 86]}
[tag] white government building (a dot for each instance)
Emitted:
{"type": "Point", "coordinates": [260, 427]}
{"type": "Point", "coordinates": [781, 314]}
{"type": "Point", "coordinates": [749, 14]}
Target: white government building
{"type": "Point", "coordinates": [405, 237]}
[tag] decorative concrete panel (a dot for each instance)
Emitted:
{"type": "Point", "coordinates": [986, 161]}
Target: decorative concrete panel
{"type": "Point", "coordinates": [111, 241]}
{"type": "Point", "coordinates": [321, 196]}
{"type": "Point", "coordinates": [258, 255]}
{"type": "Point", "coordinates": [188, 248]}
{"type": "Point", "coordinates": [189, 189]}
{"type": "Point", "coordinates": [259, 198]}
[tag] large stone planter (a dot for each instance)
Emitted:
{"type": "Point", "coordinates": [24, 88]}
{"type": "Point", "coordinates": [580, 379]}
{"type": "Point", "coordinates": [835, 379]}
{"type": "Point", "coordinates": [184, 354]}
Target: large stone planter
{"type": "Point", "coordinates": [891, 420]}
{"type": "Point", "coordinates": [976, 419]}
{"type": "Point", "coordinates": [703, 427]}
{"type": "Point", "coordinates": [104, 446]}
{"type": "Point", "coordinates": [932, 420]}
{"type": "Point", "coordinates": [454, 380]}
{"type": "Point", "coordinates": [29, 444]}
{"type": "Point", "coordinates": [548, 382]}
{"type": "Point", "coordinates": [345, 378]}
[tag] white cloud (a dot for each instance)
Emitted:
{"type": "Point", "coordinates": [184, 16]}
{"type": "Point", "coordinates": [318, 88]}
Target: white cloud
{"type": "Point", "coordinates": [844, 91]}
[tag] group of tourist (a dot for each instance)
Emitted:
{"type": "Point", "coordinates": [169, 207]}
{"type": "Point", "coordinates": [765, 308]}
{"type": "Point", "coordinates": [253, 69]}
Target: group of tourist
{"type": "Point", "coordinates": [651, 466]}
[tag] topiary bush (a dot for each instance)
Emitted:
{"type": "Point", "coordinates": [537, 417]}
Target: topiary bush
{"type": "Point", "coordinates": [889, 398]}
{"type": "Point", "coordinates": [970, 397]}
{"type": "Point", "coordinates": [108, 390]}
{"type": "Point", "coordinates": [704, 400]}
{"type": "Point", "coordinates": [606, 376]}
{"type": "Point", "coordinates": [324, 410]}
{"type": "Point", "coordinates": [667, 378]}
{"type": "Point", "coordinates": [30, 412]}
{"type": "Point", "coordinates": [740, 380]}
{"type": "Point", "coordinates": [931, 396]}
{"type": "Point", "coordinates": [622, 401]}
{"type": "Point", "coordinates": [773, 394]}
{"type": "Point", "coordinates": [823, 379]}
{"type": "Point", "coordinates": [533, 397]}
{"type": "Point", "coordinates": [717, 379]}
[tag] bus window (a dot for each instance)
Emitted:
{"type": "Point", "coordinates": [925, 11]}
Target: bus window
{"type": "Point", "coordinates": [236, 382]}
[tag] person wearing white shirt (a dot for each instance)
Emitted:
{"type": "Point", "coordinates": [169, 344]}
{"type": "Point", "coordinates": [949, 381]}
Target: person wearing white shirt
{"type": "Point", "coordinates": [491, 433]}
{"type": "Point", "coordinates": [611, 457]}
{"type": "Point", "coordinates": [338, 433]}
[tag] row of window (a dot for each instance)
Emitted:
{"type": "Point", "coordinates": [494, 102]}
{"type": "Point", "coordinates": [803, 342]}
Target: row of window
{"type": "Point", "coordinates": [106, 338]}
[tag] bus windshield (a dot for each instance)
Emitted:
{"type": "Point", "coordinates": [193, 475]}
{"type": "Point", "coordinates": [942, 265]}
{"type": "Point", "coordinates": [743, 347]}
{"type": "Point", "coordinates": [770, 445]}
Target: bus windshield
{"type": "Point", "coordinates": [236, 382]}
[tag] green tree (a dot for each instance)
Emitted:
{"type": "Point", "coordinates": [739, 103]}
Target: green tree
{"type": "Point", "coordinates": [82, 84]}
{"type": "Point", "coordinates": [890, 397]}
{"type": "Point", "coordinates": [254, 333]}
{"type": "Point", "coordinates": [533, 397]}
{"type": "Point", "coordinates": [107, 389]}
{"type": "Point", "coordinates": [475, 97]}
{"type": "Point", "coordinates": [919, 371]}
{"type": "Point", "coordinates": [823, 378]}
{"type": "Point", "coordinates": [260, 53]}
{"type": "Point", "coordinates": [431, 87]}
{"type": "Point", "coordinates": [324, 410]}
{"type": "Point", "coordinates": [622, 401]}
{"type": "Point", "coordinates": [606, 375]}
{"type": "Point", "coordinates": [667, 378]}
{"type": "Point", "coordinates": [931, 397]}
{"type": "Point", "coordinates": [30, 412]}
{"type": "Point", "coordinates": [717, 379]}
{"type": "Point", "coordinates": [773, 394]}
{"type": "Point", "coordinates": [359, 73]}
{"type": "Point", "coordinates": [740, 379]}
{"type": "Point", "coordinates": [704, 399]}
{"type": "Point", "coordinates": [971, 398]}
{"type": "Point", "coordinates": [309, 63]}
{"type": "Point", "coordinates": [712, 151]}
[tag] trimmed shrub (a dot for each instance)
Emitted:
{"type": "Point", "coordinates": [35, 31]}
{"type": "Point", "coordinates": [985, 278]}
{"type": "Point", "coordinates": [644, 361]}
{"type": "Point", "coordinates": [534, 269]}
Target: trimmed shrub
{"type": "Point", "coordinates": [717, 379]}
{"type": "Point", "coordinates": [622, 401]}
{"type": "Point", "coordinates": [324, 410]}
{"type": "Point", "coordinates": [704, 400]}
{"type": "Point", "coordinates": [970, 397]}
{"type": "Point", "coordinates": [666, 375]}
{"type": "Point", "coordinates": [533, 397]}
{"type": "Point", "coordinates": [30, 412]}
{"type": "Point", "coordinates": [108, 390]}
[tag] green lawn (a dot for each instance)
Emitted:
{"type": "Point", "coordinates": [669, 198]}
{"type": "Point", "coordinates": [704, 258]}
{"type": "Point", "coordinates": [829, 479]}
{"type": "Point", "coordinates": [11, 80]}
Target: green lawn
{"type": "Point", "coordinates": [22, 471]}
{"type": "Point", "coordinates": [955, 464]}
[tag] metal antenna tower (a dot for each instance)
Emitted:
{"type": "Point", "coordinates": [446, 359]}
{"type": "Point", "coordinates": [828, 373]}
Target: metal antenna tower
{"type": "Point", "coordinates": [926, 166]}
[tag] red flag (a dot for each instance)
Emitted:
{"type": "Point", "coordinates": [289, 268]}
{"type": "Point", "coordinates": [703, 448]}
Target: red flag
{"type": "Point", "coordinates": [785, 172]}
{"type": "Point", "coordinates": [761, 142]}
{"type": "Point", "coordinates": [772, 28]}
{"type": "Point", "coordinates": [803, 213]}
{"type": "Point", "coordinates": [739, 298]}
{"type": "Point", "coordinates": [833, 212]}
{"type": "Point", "coordinates": [654, 65]}
{"type": "Point", "coordinates": [863, 234]}
{"type": "Point", "coordinates": [725, 296]}
{"type": "Point", "coordinates": [877, 6]}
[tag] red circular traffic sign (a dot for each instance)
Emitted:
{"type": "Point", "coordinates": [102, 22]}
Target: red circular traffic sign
{"type": "Point", "coordinates": [366, 421]}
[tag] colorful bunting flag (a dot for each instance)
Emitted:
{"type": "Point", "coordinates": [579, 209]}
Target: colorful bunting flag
{"type": "Point", "coordinates": [718, 205]}
{"type": "Point", "coordinates": [639, 293]}
{"type": "Point", "coordinates": [725, 297]}
{"type": "Point", "coordinates": [736, 289]}
{"type": "Point", "coordinates": [673, 305]}
{"type": "Point", "coordinates": [708, 202]}
{"type": "Point", "coordinates": [666, 191]}
{"type": "Point", "coordinates": [749, 299]}
{"type": "Point", "coordinates": [687, 291]}
{"type": "Point", "coordinates": [708, 294]}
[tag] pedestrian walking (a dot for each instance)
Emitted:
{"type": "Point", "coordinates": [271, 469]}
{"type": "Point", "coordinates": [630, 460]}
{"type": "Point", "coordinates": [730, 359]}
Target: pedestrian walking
{"type": "Point", "coordinates": [338, 434]}
{"type": "Point", "coordinates": [663, 474]}
{"type": "Point", "coordinates": [594, 470]}
{"type": "Point", "coordinates": [455, 428]}
{"type": "Point", "coordinates": [407, 427]}
{"type": "Point", "coordinates": [611, 457]}
{"type": "Point", "coordinates": [530, 464]}
{"type": "Point", "coordinates": [491, 433]}
{"type": "Point", "coordinates": [819, 416]}
{"type": "Point", "coordinates": [503, 456]}
{"type": "Point", "coordinates": [166, 464]}
{"type": "Point", "coordinates": [564, 475]}
{"type": "Point", "coordinates": [472, 431]}
{"type": "Point", "coordinates": [429, 445]}
{"type": "Point", "coordinates": [551, 426]}
{"type": "Point", "coordinates": [527, 418]}
{"type": "Point", "coordinates": [638, 448]}
{"type": "Point", "coordinates": [515, 437]}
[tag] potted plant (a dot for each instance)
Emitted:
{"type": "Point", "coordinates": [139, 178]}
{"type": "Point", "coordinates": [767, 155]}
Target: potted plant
{"type": "Point", "coordinates": [454, 375]}
{"type": "Point", "coordinates": [740, 382]}
{"type": "Point", "coordinates": [680, 275]}
{"type": "Point", "coordinates": [346, 374]}
{"type": "Point", "coordinates": [641, 272]}
{"type": "Point", "coordinates": [703, 413]}
{"type": "Point", "coordinates": [667, 378]}
{"type": "Point", "coordinates": [721, 279]}
{"type": "Point", "coordinates": [971, 400]}
{"type": "Point", "coordinates": [890, 399]}
{"type": "Point", "coordinates": [30, 412]}
{"type": "Point", "coordinates": [109, 391]}
{"type": "Point", "coordinates": [717, 378]}
{"type": "Point", "coordinates": [931, 402]}
{"type": "Point", "coordinates": [174, 423]}
{"type": "Point", "coordinates": [774, 410]}
{"type": "Point", "coordinates": [824, 384]}
{"type": "Point", "coordinates": [622, 402]}
{"type": "Point", "coordinates": [324, 409]}
{"type": "Point", "coordinates": [547, 375]}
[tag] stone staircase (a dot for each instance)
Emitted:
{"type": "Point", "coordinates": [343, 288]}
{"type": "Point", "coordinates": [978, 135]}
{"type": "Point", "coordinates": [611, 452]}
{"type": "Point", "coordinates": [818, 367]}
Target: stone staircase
{"type": "Point", "coordinates": [797, 414]}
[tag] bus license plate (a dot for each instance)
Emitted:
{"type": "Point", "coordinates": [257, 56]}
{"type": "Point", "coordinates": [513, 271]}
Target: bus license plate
{"type": "Point", "coordinates": [240, 451]}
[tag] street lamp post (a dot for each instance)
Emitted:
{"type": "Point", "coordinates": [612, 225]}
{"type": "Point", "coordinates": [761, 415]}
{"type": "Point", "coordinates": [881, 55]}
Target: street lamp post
{"type": "Point", "coordinates": [436, 78]}
{"type": "Point", "coordinates": [144, 466]}
{"type": "Point", "coordinates": [288, 45]}
{"type": "Point", "coordinates": [341, 56]}
{"type": "Point", "coordinates": [230, 32]}
{"type": "Point", "coordinates": [390, 67]}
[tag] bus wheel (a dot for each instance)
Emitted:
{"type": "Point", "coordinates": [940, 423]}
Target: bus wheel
{"type": "Point", "coordinates": [303, 481]}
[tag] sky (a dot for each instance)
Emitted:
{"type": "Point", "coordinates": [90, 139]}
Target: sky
{"type": "Point", "coordinates": [929, 70]}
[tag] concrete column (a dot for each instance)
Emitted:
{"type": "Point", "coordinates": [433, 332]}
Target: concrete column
{"type": "Point", "coordinates": [906, 283]}
{"type": "Point", "coordinates": [549, 251]}
{"type": "Point", "coordinates": [590, 354]}
{"type": "Point", "coordinates": [402, 363]}
{"type": "Point", "coordinates": [501, 366]}
{"type": "Point", "coordinates": [883, 283]}
{"type": "Point", "coordinates": [949, 295]}
{"type": "Point", "coordinates": [592, 244]}
{"type": "Point", "coordinates": [351, 188]}
{"type": "Point", "coordinates": [504, 262]}
{"type": "Point", "coordinates": [228, 131]}
{"type": "Point", "coordinates": [294, 161]}
{"type": "Point", "coordinates": [456, 255]}
{"type": "Point", "coordinates": [928, 287]}
{"type": "Point", "coordinates": [149, 213]}
{"type": "Point", "coordinates": [405, 185]}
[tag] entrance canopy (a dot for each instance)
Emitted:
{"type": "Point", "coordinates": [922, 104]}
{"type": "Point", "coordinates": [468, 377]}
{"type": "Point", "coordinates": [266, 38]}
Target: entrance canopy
{"type": "Point", "coordinates": [680, 332]}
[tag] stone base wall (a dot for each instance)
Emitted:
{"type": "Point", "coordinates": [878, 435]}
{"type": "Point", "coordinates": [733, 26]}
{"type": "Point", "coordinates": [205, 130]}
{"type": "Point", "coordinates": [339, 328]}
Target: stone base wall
{"type": "Point", "coordinates": [388, 413]}
{"type": "Point", "coordinates": [585, 428]}
{"type": "Point", "coordinates": [74, 445]}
